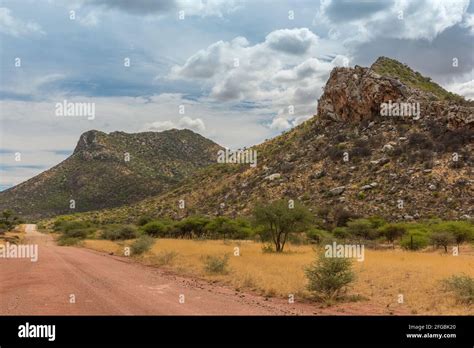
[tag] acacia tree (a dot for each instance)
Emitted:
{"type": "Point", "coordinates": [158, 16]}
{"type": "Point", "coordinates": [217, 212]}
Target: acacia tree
{"type": "Point", "coordinates": [8, 220]}
{"type": "Point", "coordinates": [279, 219]}
{"type": "Point", "coordinates": [461, 231]}
{"type": "Point", "coordinates": [392, 232]}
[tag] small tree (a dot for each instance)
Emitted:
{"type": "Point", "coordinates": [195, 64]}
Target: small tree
{"type": "Point", "coordinates": [443, 239]}
{"type": "Point", "coordinates": [329, 277]}
{"type": "Point", "coordinates": [392, 232]}
{"type": "Point", "coordinates": [8, 220]}
{"type": "Point", "coordinates": [461, 231]}
{"type": "Point", "coordinates": [155, 229]}
{"type": "Point", "coordinates": [361, 229]}
{"type": "Point", "coordinates": [279, 220]}
{"type": "Point", "coordinates": [191, 226]}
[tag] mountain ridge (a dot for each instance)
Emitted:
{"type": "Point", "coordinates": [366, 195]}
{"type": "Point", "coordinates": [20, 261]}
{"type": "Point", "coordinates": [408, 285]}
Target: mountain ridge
{"type": "Point", "coordinates": [107, 170]}
{"type": "Point", "coordinates": [347, 159]}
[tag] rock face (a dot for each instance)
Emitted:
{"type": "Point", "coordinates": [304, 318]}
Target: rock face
{"type": "Point", "coordinates": [356, 94]}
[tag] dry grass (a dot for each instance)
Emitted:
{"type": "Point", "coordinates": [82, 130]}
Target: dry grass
{"type": "Point", "coordinates": [381, 278]}
{"type": "Point", "coordinates": [15, 236]}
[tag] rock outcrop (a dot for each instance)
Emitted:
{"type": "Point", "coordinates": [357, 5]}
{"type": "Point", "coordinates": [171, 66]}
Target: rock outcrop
{"type": "Point", "coordinates": [357, 94]}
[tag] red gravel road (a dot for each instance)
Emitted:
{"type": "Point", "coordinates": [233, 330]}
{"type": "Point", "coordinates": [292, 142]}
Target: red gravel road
{"type": "Point", "coordinates": [112, 285]}
{"type": "Point", "coordinates": [108, 285]}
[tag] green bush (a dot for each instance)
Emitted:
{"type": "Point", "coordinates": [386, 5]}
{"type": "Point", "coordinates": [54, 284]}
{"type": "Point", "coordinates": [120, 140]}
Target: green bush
{"type": "Point", "coordinates": [155, 229]}
{"type": "Point", "coordinates": [216, 264]}
{"type": "Point", "coordinates": [461, 231]}
{"type": "Point", "coordinates": [340, 232]}
{"type": "Point", "coordinates": [462, 286]}
{"type": "Point", "coordinates": [362, 229]}
{"type": "Point", "coordinates": [224, 227]}
{"type": "Point", "coordinates": [78, 233]}
{"type": "Point", "coordinates": [392, 232]}
{"type": "Point", "coordinates": [67, 241]}
{"type": "Point", "coordinates": [143, 220]}
{"type": "Point", "coordinates": [442, 239]}
{"type": "Point", "coordinates": [193, 226]}
{"type": "Point", "coordinates": [329, 277]}
{"type": "Point", "coordinates": [119, 232]}
{"type": "Point", "coordinates": [414, 241]}
{"type": "Point", "coordinates": [142, 245]}
{"type": "Point", "coordinates": [318, 236]}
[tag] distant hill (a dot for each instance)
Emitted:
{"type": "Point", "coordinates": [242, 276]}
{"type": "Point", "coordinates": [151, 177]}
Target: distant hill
{"type": "Point", "coordinates": [347, 159]}
{"type": "Point", "coordinates": [108, 170]}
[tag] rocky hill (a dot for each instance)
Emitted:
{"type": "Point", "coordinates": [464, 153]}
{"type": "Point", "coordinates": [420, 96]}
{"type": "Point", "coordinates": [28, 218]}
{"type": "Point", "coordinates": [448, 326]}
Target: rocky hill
{"type": "Point", "coordinates": [352, 158]}
{"type": "Point", "coordinates": [108, 170]}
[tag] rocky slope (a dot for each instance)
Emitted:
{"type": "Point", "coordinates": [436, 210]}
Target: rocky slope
{"type": "Point", "coordinates": [108, 170]}
{"type": "Point", "coordinates": [348, 159]}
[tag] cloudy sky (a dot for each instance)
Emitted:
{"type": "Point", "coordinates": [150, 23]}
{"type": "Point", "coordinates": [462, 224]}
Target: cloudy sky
{"type": "Point", "coordinates": [237, 72]}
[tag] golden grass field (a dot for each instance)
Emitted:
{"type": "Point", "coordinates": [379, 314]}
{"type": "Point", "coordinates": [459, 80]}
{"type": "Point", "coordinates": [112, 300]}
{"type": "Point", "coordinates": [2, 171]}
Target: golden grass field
{"type": "Point", "coordinates": [15, 236]}
{"type": "Point", "coordinates": [381, 278]}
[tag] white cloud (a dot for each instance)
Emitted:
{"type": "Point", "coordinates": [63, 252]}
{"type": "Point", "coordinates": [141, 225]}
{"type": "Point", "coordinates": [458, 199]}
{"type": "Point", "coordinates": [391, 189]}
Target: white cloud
{"type": "Point", "coordinates": [90, 20]}
{"type": "Point", "coordinates": [281, 74]}
{"type": "Point", "coordinates": [193, 124]}
{"type": "Point", "coordinates": [16, 27]}
{"type": "Point", "coordinates": [362, 20]}
{"type": "Point", "coordinates": [280, 124]}
{"type": "Point", "coordinates": [159, 126]}
{"type": "Point", "coordinates": [186, 122]}
{"type": "Point", "coordinates": [291, 41]}
{"type": "Point", "coordinates": [201, 8]}
{"type": "Point", "coordinates": [464, 88]}
{"type": "Point", "coordinates": [469, 22]}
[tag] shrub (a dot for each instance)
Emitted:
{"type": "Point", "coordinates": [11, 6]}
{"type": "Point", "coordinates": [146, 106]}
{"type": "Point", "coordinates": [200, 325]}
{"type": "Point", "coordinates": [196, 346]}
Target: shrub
{"type": "Point", "coordinates": [166, 257]}
{"type": "Point", "coordinates": [119, 232]}
{"type": "Point", "coordinates": [67, 241]}
{"type": "Point", "coordinates": [329, 277]}
{"type": "Point", "coordinates": [224, 227]}
{"type": "Point", "coordinates": [155, 229]}
{"type": "Point", "coordinates": [461, 231]}
{"type": "Point", "coordinates": [392, 232]}
{"type": "Point", "coordinates": [143, 220]}
{"type": "Point", "coordinates": [341, 216]}
{"type": "Point", "coordinates": [78, 233]}
{"type": "Point", "coordinates": [142, 244]}
{"type": "Point", "coordinates": [361, 149]}
{"type": "Point", "coordinates": [216, 264]}
{"type": "Point", "coordinates": [318, 236]}
{"type": "Point", "coordinates": [340, 232]}
{"type": "Point", "coordinates": [267, 248]}
{"type": "Point", "coordinates": [420, 141]}
{"type": "Point", "coordinates": [74, 225]}
{"type": "Point", "coordinates": [462, 286]}
{"type": "Point", "coordinates": [362, 229]}
{"type": "Point", "coordinates": [191, 226]}
{"type": "Point", "coordinates": [414, 241]}
{"type": "Point", "coordinates": [442, 238]}
{"type": "Point", "coordinates": [335, 153]}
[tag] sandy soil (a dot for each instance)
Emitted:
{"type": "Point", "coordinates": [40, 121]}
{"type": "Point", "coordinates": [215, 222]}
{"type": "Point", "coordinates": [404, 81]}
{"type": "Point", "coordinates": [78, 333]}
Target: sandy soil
{"type": "Point", "coordinates": [110, 285]}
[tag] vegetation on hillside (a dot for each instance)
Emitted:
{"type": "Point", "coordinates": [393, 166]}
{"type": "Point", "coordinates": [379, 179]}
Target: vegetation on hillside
{"type": "Point", "coordinates": [393, 68]}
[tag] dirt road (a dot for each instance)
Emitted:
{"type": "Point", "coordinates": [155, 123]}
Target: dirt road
{"type": "Point", "coordinates": [76, 281]}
